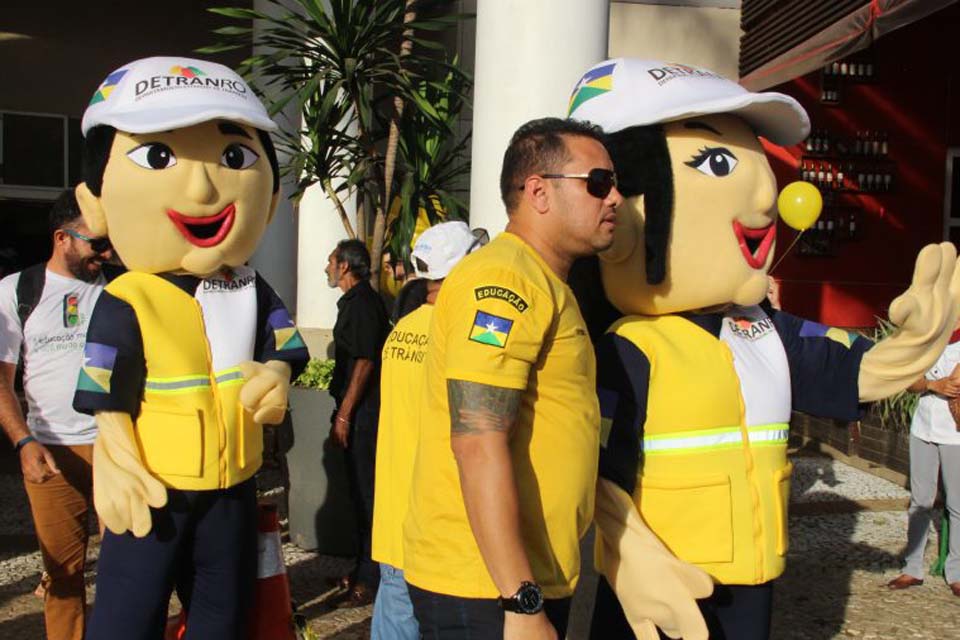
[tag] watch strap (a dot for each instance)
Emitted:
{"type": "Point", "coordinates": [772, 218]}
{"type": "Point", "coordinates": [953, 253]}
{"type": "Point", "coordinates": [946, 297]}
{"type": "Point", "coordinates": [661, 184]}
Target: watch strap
{"type": "Point", "coordinates": [527, 600]}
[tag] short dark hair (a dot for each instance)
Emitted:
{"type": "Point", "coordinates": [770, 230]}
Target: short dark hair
{"type": "Point", "coordinates": [642, 160]}
{"type": "Point", "coordinates": [538, 147]}
{"type": "Point", "coordinates": [65, 211]}
{"type": "Point", "coordinates": [99, 141]}
{"type": "Point", "coordinates": [355, 254]}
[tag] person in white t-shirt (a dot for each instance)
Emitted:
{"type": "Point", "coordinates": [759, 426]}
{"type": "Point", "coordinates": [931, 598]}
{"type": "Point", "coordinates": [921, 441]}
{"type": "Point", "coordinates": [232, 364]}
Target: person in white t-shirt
{"type": "Point", "coordinates": [934, 446]}
{"type": "Point", "coordinates": [54, 442]}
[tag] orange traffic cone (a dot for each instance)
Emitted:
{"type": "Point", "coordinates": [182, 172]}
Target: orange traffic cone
{"type": "Point", "coordinates": [176, 627]}
{"type": "Point", "coordinates": [272, 616]}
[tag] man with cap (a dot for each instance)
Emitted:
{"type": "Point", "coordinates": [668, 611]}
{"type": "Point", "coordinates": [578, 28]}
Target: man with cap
{"type": "Point", "coordinates": [696, 380]}
{"type": "Point", "coordinates": [189, 352]}
{"type": "Point", "coordinates": [434, 254]}
{"type": "Point", "coordinates": [504, 477]}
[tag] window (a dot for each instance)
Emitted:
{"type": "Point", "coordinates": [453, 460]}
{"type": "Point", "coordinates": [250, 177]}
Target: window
{"type": "Point", "coordinates": [39, 151]}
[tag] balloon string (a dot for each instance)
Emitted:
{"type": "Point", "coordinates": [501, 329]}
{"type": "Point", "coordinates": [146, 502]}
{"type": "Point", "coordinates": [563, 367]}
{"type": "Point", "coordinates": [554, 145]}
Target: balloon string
{"type": "Point", "coordinates": [784, 254]}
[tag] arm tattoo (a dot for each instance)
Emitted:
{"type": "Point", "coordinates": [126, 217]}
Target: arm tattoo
{"type": "Point", "coordinates": [477, 408]}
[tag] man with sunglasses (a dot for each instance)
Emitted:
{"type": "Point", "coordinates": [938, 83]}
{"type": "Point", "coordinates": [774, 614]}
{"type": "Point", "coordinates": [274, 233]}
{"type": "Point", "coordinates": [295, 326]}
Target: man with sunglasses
{"type": "Point", "coordinates": [506, 466]}
{"type": "Point", "coordinates": [54, 442]}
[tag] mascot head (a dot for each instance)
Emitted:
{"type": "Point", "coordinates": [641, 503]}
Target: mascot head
{"type": "Point", "coordinates": [179, 169]}
{"type": "Point", "coordinates": [697, 228]}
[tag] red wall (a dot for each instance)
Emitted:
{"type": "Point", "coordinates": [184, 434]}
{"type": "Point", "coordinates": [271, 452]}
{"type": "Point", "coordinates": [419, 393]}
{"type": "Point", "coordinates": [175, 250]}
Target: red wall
{"type": "Point", "coordinates": [915, 101]}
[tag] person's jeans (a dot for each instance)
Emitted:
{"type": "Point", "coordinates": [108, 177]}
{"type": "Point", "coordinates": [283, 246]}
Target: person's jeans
{"type": "Point", "coordinates": [361, 458]}
{"type": "Point", "coordinates": [61, 507]}
{"type": "Point", "coordinates": [927, 460]}
{"type": "Point", "coordinates": [392, 611]}
{"type": "Point", "coordinates": [443, 617]}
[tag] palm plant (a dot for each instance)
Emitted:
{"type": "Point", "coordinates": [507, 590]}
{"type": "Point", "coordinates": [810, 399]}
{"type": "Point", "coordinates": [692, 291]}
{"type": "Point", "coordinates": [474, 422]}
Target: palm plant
{"type": "Point", "coordinates": [357, 73]}
{"type": "Point", "coordinates": [433, 163]}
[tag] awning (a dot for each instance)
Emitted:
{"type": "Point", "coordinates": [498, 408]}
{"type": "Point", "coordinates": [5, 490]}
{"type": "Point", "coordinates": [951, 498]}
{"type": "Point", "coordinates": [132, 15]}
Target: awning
{"type": "Point", "coordinates": [829, 30]}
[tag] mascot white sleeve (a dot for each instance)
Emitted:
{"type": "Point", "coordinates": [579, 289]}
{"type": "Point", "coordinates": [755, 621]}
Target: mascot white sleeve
{"type": "Point", "coordinates": [189, 352]}
{"type": "Point", "coordinates": [696, 380]}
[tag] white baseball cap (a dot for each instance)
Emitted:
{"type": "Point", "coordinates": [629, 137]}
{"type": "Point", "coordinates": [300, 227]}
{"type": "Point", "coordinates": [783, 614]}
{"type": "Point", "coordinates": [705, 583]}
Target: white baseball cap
{"type": "Point", "coordinates": [442, 246]}
{"type": "Point", "coordinates": [162, 93]}
{"type": "Point", "coordinates": [627, 92]}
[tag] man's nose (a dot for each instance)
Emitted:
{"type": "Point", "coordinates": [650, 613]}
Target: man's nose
{"type": "Point", "coordinates": [614, 198]}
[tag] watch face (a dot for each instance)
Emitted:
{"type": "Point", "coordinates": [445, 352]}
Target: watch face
{"type": "Point", "coordinates": [530, 598]}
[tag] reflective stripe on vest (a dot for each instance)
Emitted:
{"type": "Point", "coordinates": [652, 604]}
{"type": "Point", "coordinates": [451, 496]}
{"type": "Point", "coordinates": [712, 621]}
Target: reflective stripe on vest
{"type": "Point", "coordinates": [715, 439]}
{"type": "Point", "coordinates": [187, 384]}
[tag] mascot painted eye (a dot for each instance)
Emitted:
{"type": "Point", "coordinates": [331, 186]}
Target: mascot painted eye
{"type": "Point", "coordinates": [238, 156]}
{"type": "Point", "coordinates": [153, 155]}
{"type": "Point", "coordinates": [714, 161]}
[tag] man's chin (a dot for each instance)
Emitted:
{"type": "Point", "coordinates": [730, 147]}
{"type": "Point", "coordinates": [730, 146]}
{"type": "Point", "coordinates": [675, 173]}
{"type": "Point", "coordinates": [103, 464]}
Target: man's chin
{"type": "Point", "coordinates": [86, 271]}
{"type": "Point", "coordinates": [602, 244]}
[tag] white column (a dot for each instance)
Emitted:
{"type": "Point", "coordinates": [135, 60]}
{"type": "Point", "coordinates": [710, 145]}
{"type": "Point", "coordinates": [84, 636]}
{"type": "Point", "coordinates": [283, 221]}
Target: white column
{"type": "Point", "coordinates": [529, 55]}
{"type": "Point", "coordinates": [320, 231]}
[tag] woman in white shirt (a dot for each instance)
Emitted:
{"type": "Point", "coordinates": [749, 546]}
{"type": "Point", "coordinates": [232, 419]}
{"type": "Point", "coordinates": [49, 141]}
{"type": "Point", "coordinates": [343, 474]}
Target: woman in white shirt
{"type": "Point", "coordinates": [934, 446]}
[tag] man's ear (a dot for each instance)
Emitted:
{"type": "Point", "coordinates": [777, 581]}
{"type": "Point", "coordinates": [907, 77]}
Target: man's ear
{"type": "Point", "coordinates": [534, 191]}
{"type": "Point", "coordinates": [274, 201]}
{"type": "Point", "coordinates": [92, 210]}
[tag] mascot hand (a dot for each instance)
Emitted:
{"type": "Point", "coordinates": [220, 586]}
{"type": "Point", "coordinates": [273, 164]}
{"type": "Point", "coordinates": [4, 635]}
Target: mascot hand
{"type": "Point", "coordinates": [655, 588]}
{"type": "Point", "coordinates": [925, 315]}
{"type": "Point", "coordinates": [123, 489]}
{"type": "Point", "coordinates": [265, 390]}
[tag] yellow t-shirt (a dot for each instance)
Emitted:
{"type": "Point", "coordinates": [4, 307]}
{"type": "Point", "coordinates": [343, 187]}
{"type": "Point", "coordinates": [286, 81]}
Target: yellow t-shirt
{"type": "Point", "coordinates": [401, 383]}
{"type": "Point", "coordinates": [503, 318]}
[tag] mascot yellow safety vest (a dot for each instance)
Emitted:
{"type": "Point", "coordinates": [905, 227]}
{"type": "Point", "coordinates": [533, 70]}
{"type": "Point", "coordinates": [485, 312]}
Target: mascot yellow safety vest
{"type": "Point", "coordinates": [713, 482]}
{"type": "Point", "coordinates": [192, 432]}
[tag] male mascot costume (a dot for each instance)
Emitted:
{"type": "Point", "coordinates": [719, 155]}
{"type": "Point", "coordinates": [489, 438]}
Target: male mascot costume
{"type": "Point", "coordinates": [189, 352]}
{"type": "Point", "coordinates": [696, 380]}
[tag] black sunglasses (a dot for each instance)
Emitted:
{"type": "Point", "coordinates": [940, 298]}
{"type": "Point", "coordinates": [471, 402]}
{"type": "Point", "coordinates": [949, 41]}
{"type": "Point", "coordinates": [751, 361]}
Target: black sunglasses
{"type": "Point", "coordinates": [99, 245]}
{"type": "Point", "coordinates": [600, 182]}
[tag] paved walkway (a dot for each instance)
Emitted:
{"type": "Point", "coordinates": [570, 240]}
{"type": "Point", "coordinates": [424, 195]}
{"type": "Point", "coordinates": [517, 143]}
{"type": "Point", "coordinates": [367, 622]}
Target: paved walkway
{"type": "Point", "coordinates": [846, 534]}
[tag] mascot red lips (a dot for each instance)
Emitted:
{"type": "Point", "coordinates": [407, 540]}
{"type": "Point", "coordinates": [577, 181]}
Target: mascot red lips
{"type": "Point", "coordinates": [755, 243]}
{"type": "Point", "coordinates": [204, 231]}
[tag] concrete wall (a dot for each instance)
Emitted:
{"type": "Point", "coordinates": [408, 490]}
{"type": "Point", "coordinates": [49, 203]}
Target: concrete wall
{"type": "Point", "coordinates": [703, 36]}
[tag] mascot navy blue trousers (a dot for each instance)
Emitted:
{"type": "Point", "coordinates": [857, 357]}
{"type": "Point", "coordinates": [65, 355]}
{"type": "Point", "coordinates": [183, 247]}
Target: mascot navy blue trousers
{"type": "Point", "coordinates": [204, 544]}
{"type": "Point", "coordinates": [731, 613]}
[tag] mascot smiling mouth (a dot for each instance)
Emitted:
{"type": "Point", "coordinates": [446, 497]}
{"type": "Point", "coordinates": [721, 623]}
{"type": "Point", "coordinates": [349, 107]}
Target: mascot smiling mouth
{"type": "Point", "coordinates": [755, 244]}
{"type": "Point", "coordinates": [204, 231]}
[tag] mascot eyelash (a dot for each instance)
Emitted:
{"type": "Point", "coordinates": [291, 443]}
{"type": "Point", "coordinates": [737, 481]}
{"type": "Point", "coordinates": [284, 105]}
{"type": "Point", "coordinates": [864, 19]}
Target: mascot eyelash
{"type": "Point", "coordinates": [706, 152]}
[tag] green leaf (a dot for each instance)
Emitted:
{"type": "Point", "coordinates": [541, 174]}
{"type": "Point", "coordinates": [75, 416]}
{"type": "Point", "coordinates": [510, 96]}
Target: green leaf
{"type": "Point", "coordinates": [237, 12]}
{"type": "Point", "coordinates": [317, 374]}
{"type": "Point", "coordinates": [233, 31]}
{"type": "Point", "coordinates": [217, 48]}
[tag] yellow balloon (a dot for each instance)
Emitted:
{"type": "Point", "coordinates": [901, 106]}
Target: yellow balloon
{"type": "Point", "coordinates": [800, 204]}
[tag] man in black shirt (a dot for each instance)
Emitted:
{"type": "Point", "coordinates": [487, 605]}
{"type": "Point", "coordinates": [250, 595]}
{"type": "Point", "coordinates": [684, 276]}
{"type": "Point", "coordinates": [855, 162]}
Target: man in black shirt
{"type": "Point", "coordinates": [358, 335]}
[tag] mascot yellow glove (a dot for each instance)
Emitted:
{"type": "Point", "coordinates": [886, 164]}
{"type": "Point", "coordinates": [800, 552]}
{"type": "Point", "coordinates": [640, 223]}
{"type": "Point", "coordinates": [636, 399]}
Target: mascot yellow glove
{"type": "Point", "coordinates": [265, 390]}
{"type": "Point", "coordinates": [925, 315]}
{"type": "Point", "coordinates": [123, 489]}
{"type": "Point", "coordinates": [655, 588]}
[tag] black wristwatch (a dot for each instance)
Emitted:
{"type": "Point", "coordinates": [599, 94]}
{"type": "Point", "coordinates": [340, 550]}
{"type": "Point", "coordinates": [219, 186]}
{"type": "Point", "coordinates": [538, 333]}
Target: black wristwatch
{"type": "Point", "coordinates": [527, 600]}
